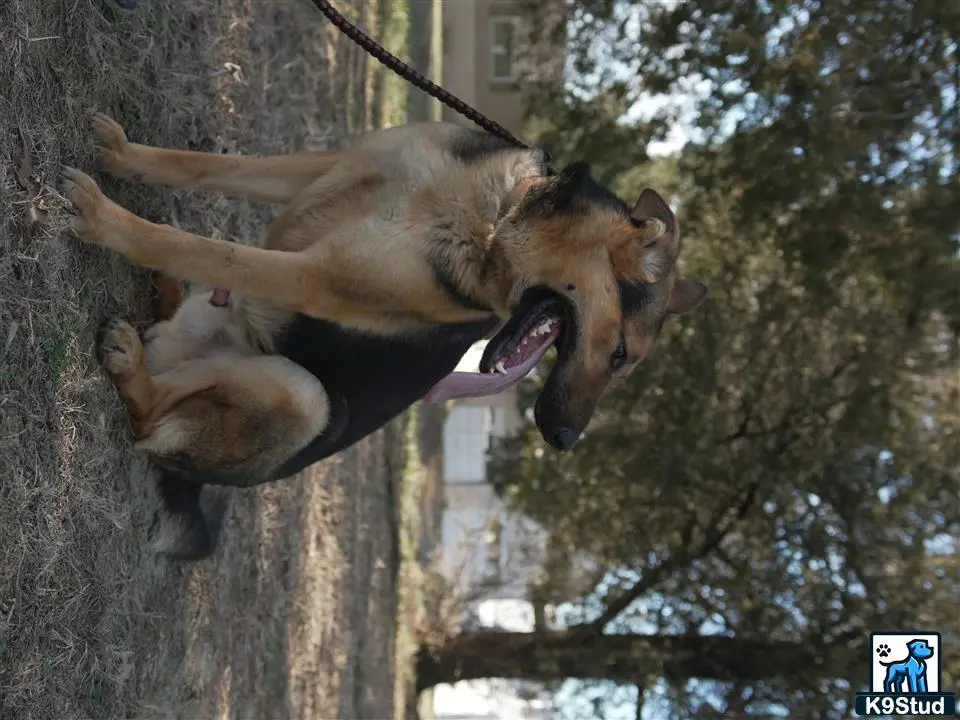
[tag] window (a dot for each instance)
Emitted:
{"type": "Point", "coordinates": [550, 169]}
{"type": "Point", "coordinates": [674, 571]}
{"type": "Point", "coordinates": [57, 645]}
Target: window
{"type": "Point", "coordinates": [503, 33]}
{"type": "Point", "coordinates": [492, 541]}
{"type": "Point", "coordinates": [466, 438]}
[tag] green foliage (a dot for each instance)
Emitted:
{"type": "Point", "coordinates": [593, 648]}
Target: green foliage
{"type": "Point", "coordinates": [811, 407]}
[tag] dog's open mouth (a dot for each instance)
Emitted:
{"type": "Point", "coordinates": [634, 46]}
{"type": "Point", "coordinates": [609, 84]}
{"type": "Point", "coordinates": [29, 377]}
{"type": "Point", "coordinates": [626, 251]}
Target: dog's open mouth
{"type": "Point", "coordinates": [534, 328]}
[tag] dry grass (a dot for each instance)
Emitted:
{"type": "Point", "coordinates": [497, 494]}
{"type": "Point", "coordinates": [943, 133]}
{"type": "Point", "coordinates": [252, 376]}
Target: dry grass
{"type": "Point", "coordinates": [294, 617]}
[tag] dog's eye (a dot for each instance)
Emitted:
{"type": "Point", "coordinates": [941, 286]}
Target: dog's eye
{"type": "Point", "coordinates": [619, 356]}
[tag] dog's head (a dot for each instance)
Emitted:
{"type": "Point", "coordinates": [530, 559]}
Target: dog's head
{"type": "Point", "coordinates": [920, 649]}
{"type": "Point", "coordinates": [593, 276]}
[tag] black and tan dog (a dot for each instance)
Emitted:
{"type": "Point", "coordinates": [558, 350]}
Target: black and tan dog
{"type": "Point", "coordinates": [389, 260]}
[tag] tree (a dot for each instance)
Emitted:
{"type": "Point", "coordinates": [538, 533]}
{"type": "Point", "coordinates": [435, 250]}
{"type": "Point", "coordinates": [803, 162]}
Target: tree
{"type": "Point", "coordinates": [784, 469]}
{"type": "Point", "coordinates": [625, 658]}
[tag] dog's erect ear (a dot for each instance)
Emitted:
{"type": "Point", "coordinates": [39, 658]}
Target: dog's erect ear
{"type": "Point", "coordinates": [687, 294]}
{"type": "Point", "coordinates": [650, 206]}
{"type": "Point", "coordinates": [658, 235]}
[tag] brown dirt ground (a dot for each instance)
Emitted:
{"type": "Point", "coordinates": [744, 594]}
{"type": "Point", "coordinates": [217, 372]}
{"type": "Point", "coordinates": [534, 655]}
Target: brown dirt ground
{"type": "Point", "coordinates": [295, 615]}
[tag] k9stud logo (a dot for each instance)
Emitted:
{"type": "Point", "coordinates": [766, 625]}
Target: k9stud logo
{"type": "Point", "coordinates": [905, 676]}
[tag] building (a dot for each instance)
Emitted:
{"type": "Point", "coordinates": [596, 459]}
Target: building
{"type": "Point", "coordinates": [487, 551]}
{"type": "Point", "coordinates": [489, 51]}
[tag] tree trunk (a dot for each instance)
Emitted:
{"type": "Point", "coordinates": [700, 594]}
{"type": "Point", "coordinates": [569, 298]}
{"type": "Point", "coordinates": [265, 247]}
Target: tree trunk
{"type": "Point", "coordinates": [624, 658]}
{"type": "Point", "coordinates": [419, 46]}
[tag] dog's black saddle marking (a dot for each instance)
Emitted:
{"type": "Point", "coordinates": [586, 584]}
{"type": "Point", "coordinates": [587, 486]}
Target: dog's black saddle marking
{"type": "Point", "coordinates": [370, 379]}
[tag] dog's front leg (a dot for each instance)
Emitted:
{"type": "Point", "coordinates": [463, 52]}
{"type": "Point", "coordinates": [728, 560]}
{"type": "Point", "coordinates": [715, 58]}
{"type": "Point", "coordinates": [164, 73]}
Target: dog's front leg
{"type": "Point", "coordinates": [276, 179]}
{"type": "Point", "coordinates": [290, 279]}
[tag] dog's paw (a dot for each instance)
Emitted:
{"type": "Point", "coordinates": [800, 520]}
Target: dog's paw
{"type": "Point", "coordinates": [119, 348]}
{"type": "Point", "coordinates": [112, 145]}
{"type": "Point", "coordinates": [96, 218]}
{"type": "Point", "coordinates": [883, 650]}
{"type": "Point", "coordinates": [90, 205]}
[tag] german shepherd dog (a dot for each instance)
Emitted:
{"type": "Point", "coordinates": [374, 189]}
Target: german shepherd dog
{"type": "Point", "coordinates": [389, 260]}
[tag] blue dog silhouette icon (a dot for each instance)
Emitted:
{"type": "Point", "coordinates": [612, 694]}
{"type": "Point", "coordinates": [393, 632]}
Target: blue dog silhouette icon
{"type": "Point", "coordinates": [912, 669]}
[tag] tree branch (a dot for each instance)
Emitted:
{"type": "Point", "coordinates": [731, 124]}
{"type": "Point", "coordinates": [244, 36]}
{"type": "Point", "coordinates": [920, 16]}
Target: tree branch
{"type": "Point", "coordinates": [716, 530]}
{"type": "Point", "coordinates": [715, 533]}
{"type": "Point", "coordinates": [641, 691]}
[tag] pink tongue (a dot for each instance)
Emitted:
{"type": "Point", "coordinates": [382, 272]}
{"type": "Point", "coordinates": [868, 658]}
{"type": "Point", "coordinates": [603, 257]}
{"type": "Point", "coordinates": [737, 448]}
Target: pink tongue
{"type": "Point", "coordinates": [466, 385]}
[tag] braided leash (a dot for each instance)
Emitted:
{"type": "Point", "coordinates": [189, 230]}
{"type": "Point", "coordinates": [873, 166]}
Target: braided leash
{"type": "Point", "coordinates": [395, 64]}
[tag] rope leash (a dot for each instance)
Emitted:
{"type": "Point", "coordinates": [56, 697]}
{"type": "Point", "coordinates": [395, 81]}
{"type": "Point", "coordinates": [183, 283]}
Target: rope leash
{"type": "Point", "coordinates": [417, 79]}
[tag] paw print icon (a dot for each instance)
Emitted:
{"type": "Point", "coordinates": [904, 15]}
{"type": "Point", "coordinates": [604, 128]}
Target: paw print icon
{"type": "Point", "coordinates": [883, 650]}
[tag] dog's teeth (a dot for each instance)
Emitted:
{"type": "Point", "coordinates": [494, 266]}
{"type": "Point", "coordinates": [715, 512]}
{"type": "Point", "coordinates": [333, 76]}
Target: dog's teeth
{"type": "Point", "coordinates": [499, 367]}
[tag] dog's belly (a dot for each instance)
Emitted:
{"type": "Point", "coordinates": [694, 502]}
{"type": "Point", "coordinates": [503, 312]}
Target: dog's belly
{"type": "Point", "coordinates": [370, 379]}
{"type": "Point", "coordinates": [198, 330]}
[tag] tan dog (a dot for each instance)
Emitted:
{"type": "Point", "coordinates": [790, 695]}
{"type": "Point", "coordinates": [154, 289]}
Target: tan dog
{"type": "Point", "coordinates": [400, 252]}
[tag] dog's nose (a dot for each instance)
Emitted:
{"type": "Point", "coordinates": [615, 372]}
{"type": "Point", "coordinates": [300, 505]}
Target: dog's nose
{"type": "Point", "coordinates": [564, 438]}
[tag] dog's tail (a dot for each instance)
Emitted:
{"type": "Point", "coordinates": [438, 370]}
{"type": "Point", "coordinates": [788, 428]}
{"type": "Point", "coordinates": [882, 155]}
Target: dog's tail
{"type": "Point", "coordinates": [182, 528]}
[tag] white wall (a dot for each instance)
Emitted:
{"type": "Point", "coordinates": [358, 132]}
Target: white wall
{"type": "Point", "coordinates": [466, 439]}
{"type": "Point", "coordinates": [470, 503]}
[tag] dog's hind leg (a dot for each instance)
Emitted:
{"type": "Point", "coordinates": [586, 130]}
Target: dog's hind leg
{"type": "Point", "coordinates": [228, 419]}
{"type": "Point", "coordinates": [121, 354]}
{"type": "Point", "coordinates": [893, 679]}
{"type": "Point", "coordinates": [276, 179]}
{"type": "Point", "coordinates": [179, 528]}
